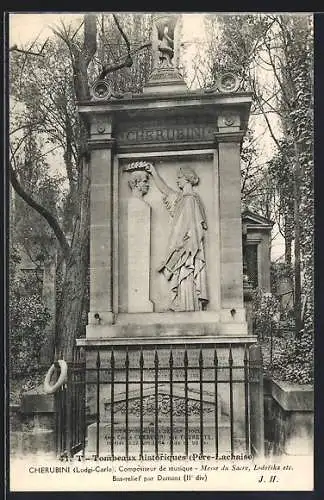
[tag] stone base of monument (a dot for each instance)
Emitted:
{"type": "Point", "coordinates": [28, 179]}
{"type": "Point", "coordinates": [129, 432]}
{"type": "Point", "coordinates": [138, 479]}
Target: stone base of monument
{"type": "Point", "coordinates": [201, 324]}
{"type": "Point", "coordinates": [226, 410]}
{"type": "Point", "coordinates": [163, 439]}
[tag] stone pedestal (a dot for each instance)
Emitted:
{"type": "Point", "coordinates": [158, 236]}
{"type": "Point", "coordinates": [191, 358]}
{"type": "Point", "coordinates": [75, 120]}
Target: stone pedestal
{"type": "Point", "coordinates": [32, 425]}
{"type": "Point", "coordinates": [289, 418]}
{"type": "Point", "coordinates": [165, 80]}
{"type": "Point", "coordinates": [138, 249]}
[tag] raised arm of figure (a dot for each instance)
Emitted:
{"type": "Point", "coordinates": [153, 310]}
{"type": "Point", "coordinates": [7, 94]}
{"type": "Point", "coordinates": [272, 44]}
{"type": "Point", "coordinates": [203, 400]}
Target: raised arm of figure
{"type": "Point", "coordinates": [159, 182]}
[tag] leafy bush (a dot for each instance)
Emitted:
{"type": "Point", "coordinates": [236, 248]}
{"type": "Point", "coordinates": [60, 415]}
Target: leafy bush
{"type": "Point", "coordinates": [28, 318]}
{"type": "Point", "coordinates": [265, 314]}
{"type": "Point", "coordinates": [292, 359]}
{"type": "Point", "coordinates": [278, 272]}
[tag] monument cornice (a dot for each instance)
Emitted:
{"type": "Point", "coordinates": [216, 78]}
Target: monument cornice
{"type": "Point", "coordinates": [161, 147]}
{"type": "Point", "coordinates": [102, 143]}
{"type": "Point", "coordinates": [235, 136]}
{"type": "Point", "coordinates": [171, 155]}
{"type": "Point", "coordinates": [154, 341]}
{"type": "Point", "coordinates": [259, 227]}
{"type": "Point", "coordinates": [161, 101]}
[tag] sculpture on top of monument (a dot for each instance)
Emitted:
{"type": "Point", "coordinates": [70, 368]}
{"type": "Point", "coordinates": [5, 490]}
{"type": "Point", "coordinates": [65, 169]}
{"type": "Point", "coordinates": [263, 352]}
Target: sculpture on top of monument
{"type": "Point", "coordinates": [184, 265]}
{"type": "Point", "coordinates": [166, 47]}
{"type": "Point", "coordinates": [166, 40]}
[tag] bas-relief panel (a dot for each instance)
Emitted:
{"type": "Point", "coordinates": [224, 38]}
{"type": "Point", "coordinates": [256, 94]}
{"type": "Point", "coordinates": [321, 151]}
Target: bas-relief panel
{"type": "Point", "coordinates": [161, 223]}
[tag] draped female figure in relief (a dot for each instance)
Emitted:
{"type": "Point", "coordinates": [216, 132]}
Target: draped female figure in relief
{"type": "Point", "coordinates": [184, 265]}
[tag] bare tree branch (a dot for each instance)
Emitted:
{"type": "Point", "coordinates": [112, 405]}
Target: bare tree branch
{"type": "Point", "coordinates": [42, 211]}
{"type": "Point", "coordinates": [25, 125]}
{"type": "Point", "coordinates": [267, 121]}
{"type": "Point", "coordinates": [77, 30]}
{"type": "Point", "coordinates": [90, 37]}
{"type": "Point", "coordinates": [123, 34]}
{"type": "Point", "coordinates": [14, 48]}
{"type": "Point", "coordinates": [127, 59]}
{"type": "Point", "coordinates": [127, 62]}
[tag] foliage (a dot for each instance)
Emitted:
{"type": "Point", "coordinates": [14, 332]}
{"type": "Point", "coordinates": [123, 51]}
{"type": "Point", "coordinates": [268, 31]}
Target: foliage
{"type": "Point", "coordinates": [292, 167]}
{"type": "Point", "coordinates": [273, 55]}
{"type": "Point", "coordinates": [278, 272]}
{"type": "Point", "coordinates": [237, 39]}
{"type": "Point", "coordinates": [282, 180]}
{"type": "Point", "coordinates": [28, 318]}
{"type": "Point", "coordinates": [265, 313]}
{"type": "Point", "coordinates": [23, 383]}
{"type": "Point", "coordinates": [28, 228]}
{"type": "Point", "coordinates": [234, 43]}
{"type": "Point", "coordinates": [292, 359]}
{"type": "Point", "coordinates": [285, 356]}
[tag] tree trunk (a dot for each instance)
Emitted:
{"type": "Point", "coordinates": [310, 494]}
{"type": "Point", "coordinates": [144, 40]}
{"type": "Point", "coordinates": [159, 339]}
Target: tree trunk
{"type": "Point", "coordinates": [69, 321]}
{"type": "Point", "coordinates": [297, 266]}
{"type": "Point", "coordinates": [70, 312]}
{"type": "Point", "coordinates": [288, 241]}
{"type": "Point", "coordinates": [288, 244]}
{"type": "Point", "coordinates": [49, 298]}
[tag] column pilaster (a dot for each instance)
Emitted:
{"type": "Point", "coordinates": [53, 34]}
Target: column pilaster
{"type": "Point", "coordinates": [101, 146]}
{"type": "Point", "coordinates": [229, 137]}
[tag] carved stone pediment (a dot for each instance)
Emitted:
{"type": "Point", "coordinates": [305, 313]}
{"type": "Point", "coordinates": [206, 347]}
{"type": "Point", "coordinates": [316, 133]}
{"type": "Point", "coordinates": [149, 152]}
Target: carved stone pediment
{"type": "Point", "coordinates": [178, 403]}
{"type": "Point", "coordinates": [257, 221]}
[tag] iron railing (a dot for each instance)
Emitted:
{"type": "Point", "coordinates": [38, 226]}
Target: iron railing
{"type": "Point", "coordinates": [136, 389]}
{"type": "Point", "coordinates": [70, 406]}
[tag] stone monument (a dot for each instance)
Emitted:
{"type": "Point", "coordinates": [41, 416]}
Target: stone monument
{"type": "Point", "coordinates": [166, 232]}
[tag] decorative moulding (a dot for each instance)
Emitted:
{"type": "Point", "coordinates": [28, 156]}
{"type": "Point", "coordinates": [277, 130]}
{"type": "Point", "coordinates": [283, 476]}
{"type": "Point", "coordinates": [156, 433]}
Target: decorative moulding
{"type": "Point", "coordinates": [225, 83]}
{"type": "Point", "coordinates": [101, 90]}
{"type": "Point", "coordinates": [228, 120]}
{"type": "Point", "coordinates": [101, 125]}
{"type": "Point", "coordinates": [228, 82]}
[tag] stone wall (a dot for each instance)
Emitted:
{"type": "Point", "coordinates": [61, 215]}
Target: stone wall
{"type": "Point", "coordinates": [289, 418]}
{"type": "Point", "coordinates": [32, 424]}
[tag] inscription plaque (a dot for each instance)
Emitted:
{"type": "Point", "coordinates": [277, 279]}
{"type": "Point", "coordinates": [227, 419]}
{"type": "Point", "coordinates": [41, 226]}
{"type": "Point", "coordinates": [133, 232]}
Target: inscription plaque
{"type": "Point", "coordinates": [163, 438]}
{"type": "Point", "coordinates": [175, 131]}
